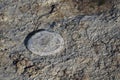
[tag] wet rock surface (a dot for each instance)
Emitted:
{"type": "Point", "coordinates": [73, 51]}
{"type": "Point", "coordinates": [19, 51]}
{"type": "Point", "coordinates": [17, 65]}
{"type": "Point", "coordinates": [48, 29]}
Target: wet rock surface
{"type": "Point", "coordinates": [90, 30]}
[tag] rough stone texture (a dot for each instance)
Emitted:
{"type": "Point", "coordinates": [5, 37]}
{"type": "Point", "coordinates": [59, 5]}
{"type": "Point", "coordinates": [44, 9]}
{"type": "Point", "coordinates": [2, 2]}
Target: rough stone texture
{"type": "Point", "coordinates": [90, 29]}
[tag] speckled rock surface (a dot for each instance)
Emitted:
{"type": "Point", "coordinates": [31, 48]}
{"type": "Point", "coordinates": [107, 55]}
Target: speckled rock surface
{"type": "Point", "coordinates": [90, 30]}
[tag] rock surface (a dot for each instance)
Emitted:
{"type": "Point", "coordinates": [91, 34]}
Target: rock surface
{"type": "Point", "coordinates": [44, 43]}
{"type": "Point", "coordinates": [91, 33]}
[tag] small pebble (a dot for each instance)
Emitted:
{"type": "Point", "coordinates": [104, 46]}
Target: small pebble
{"type": "Point", "coordinates": [45, 43]}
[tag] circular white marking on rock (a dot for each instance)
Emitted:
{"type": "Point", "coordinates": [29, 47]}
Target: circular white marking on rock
{"type": "Point", "coordinates": [45, 43]}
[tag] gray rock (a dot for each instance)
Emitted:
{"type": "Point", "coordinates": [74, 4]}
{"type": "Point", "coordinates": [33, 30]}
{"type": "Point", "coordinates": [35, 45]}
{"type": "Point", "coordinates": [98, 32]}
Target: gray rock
{"type": "Point", "coordinates": [90, 34]}
{"type": "Point", "coordinates": [45, 43]}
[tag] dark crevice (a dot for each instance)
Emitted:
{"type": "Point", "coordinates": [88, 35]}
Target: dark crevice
{"type": "Point", "coordinates": [52, 9]}
{"type": "Point", "coordinates": [30, 35]}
